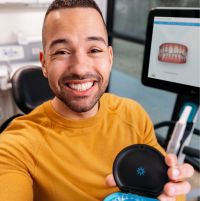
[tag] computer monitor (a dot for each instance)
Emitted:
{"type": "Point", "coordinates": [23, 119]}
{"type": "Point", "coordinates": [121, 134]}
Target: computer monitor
{"type": "Point", "coordinates": [172, 50]}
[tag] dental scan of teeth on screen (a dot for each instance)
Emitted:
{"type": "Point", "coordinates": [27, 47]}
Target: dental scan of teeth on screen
{"type": "Point", "coordinates": [175, 48]}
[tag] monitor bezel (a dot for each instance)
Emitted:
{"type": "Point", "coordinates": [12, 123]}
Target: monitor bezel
{"type": "Point", "coordinates": [162, 84]}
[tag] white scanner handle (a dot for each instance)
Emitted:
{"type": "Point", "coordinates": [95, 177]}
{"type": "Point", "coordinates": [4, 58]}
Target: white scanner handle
{"type": "Point", "coordinates": [178, 132]}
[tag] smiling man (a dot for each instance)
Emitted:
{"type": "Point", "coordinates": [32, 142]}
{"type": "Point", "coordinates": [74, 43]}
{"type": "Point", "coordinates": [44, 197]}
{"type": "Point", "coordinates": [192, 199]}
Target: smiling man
{"type": "Point", "coordinates": [77, 59]}
{"type": "Point", "coordinates": [65, 148]}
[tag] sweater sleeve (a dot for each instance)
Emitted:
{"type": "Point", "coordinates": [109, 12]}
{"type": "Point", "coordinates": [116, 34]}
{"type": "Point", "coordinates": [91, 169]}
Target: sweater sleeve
{"type": "Point", "coordinates": [149, 134]}
{"type": "Point", "coordinates": [15, 180]}
{"type": "Point", "coordinates": [14, 186]}
{"type": "Point", "coordinates": [143, 125]}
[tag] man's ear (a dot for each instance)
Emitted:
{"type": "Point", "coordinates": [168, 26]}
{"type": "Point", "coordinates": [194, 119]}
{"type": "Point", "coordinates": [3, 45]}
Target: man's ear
{"type": "Point", "coordinates": [110, 56]}
{"type": "Point", "coordinates": [43, 63]}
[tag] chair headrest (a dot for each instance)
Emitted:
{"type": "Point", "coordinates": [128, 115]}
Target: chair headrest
{"type": "Point", "coordinates": [30, 88]}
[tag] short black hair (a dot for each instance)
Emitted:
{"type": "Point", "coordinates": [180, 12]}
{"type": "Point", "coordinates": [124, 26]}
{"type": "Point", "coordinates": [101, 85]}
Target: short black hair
{"type": "Point", "coordinates": [60, 4]}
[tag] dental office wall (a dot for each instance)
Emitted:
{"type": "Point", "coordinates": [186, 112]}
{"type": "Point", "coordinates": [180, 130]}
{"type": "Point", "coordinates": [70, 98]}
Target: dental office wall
{"type": "Point", "coordinates": [26, 19]}
{"type": "Point", "coordinates": [21, 22]}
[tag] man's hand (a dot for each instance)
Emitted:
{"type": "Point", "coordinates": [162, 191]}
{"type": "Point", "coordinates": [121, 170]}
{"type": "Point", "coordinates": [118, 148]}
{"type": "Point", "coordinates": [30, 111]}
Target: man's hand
{"type": "Point", "coordinates": [177, 175]}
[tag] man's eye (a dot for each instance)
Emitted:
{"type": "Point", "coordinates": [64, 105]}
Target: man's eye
{"type": "Point", "coordinates": [61, 52]}
{"type": "Point", "coordinates": [95, 50]}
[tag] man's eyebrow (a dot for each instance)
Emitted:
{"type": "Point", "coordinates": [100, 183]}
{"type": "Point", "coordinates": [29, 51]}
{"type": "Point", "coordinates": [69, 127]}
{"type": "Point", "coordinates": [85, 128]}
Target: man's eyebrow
{"type": "Point", "coordinates": [66, 41]}
{"type": "Point", "coordinates": [58, 41]}
{"type": "Point", "coordinates": [97, 38]}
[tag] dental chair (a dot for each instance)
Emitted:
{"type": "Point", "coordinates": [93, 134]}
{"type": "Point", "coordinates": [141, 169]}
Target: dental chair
{"type": "Point", "coordinates": [29, 89]}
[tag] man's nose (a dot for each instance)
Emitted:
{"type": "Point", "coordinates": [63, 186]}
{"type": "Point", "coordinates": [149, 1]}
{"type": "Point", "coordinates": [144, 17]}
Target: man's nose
{"type": "Point", "coordinates": [80, 63]}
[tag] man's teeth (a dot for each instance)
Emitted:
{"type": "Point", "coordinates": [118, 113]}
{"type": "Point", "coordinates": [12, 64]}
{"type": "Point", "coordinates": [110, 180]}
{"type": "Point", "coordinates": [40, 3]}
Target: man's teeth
{"type": "Point", "coordinates": [81, 87]}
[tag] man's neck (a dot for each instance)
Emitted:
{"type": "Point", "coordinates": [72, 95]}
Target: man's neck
{"type": "Point", "coordinates": [65, 111]}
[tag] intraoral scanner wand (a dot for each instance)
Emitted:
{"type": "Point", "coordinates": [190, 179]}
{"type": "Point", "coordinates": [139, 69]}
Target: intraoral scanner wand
{"type": "Point", "coordinates": [178, 132]}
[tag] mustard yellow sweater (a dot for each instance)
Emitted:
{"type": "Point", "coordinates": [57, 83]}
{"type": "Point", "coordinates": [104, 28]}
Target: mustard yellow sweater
{"type": "Point", "coordinates": [45, 157]}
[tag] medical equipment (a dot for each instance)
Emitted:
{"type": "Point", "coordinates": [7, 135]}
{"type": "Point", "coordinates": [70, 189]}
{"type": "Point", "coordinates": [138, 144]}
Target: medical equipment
{"type": "Point", "coordinates": [171, 62]}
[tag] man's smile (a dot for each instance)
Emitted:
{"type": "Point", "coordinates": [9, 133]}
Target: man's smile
{"type": "Point", "coordinates": [80, 86]}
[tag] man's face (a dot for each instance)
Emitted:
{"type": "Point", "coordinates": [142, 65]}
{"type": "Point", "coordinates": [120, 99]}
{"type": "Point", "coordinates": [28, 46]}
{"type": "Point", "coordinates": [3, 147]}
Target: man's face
{"type": "Point", "coordinates": [77, 60]}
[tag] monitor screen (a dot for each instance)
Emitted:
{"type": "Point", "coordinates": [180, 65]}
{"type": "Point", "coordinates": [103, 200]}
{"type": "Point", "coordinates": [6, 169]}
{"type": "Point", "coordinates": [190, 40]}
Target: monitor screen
{"type": "Point", "coordinates": [172, 50]}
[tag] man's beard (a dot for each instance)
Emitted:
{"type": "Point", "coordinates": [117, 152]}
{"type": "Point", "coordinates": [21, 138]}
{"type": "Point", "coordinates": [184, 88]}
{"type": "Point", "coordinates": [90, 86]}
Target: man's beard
{"type": "Point", "coordinates": [74, 106]}
{"type": "Point", "coordinates": [74, 103]}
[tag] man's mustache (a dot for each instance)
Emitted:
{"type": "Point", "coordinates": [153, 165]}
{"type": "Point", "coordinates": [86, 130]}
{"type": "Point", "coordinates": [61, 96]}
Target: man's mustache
{"type": "Point", "coordinates": [92, 76]}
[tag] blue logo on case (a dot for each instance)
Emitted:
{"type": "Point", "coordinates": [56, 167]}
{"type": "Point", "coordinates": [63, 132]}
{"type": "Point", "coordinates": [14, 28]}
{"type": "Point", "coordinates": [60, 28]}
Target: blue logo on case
{"type": "Point", "coordinates": [140, 171]}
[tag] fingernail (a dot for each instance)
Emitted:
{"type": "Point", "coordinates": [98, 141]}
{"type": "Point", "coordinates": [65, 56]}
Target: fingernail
{"type": "Point", "coordinates": [175, 172]}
